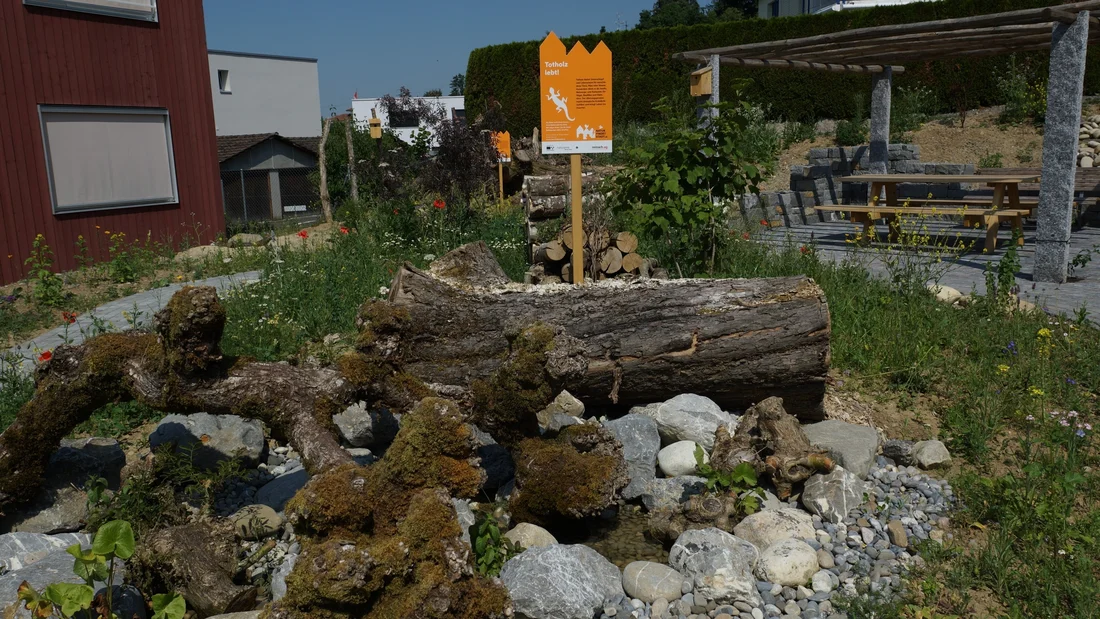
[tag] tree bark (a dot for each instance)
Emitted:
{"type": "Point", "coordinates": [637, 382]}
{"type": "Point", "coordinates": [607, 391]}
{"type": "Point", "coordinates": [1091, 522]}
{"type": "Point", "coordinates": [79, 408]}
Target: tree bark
{"type": "Point", "coordinates": [326, 200]}
{"type": "Point", "coordinates": [179, 369]}
{"type": "Point", "coordinates": [199, 560]}
{"type": "Point", "coordinates": [735, 341]}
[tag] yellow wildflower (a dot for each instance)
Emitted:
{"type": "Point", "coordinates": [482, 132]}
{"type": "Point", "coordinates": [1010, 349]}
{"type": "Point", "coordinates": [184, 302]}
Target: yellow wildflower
{"type": "Point", "coordinates": [1044, 332]}
{"type": "Point", "coordinates": [1035, 391]}
{"type": "Point", "coordinates": [1003, 368]}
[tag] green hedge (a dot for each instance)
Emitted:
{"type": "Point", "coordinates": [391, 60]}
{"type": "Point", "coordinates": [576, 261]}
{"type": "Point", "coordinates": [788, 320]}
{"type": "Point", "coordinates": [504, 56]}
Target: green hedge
{"type": "Point", "coordinates": [644, 69]}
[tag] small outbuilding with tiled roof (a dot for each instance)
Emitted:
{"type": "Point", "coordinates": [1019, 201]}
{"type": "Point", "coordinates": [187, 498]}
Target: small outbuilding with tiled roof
{"type": "Point", "coordinates": [267, 176]}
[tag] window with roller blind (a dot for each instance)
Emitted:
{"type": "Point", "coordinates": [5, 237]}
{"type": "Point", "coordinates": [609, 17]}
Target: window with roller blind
{"type": "Point", "coordinates": [145, 10]}
{"type": "Point", "coordinates": [104, 158]}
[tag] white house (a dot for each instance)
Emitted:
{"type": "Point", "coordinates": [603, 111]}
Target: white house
{"type": "Point", "coordinates": [262, 93]}
{"type": "Point", "coordinates": [787, 8]}
{"type": "Point", "coordinates": [365, 109]}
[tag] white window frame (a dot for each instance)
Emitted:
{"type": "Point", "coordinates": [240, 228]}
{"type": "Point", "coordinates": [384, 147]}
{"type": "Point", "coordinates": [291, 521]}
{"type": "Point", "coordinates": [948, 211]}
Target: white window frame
{"type": "Point", "coordinates": [116, 204]}
{"type": "Point", "coordinates": [98, 9]}
{"type": "Point", "coordinates": [224, 87]}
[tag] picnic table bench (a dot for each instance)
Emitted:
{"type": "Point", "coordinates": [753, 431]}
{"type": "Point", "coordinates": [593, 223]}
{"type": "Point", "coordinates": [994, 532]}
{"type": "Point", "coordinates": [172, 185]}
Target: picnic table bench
{"type": "Point", "coordinates": [1004, 205]}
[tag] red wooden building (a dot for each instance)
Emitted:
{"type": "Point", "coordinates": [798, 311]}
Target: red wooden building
{"type": "Point", "coordinates": [106, 124]}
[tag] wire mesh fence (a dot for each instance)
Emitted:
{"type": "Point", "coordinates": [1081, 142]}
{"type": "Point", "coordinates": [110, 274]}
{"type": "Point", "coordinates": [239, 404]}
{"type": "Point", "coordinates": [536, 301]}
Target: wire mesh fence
{"type": "Point", "coordinates": [252, 196]}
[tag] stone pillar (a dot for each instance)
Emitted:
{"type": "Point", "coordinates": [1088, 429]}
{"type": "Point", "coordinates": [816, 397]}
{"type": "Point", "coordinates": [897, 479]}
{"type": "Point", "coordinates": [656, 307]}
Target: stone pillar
{"type": "Point", "coordinates": [1063, 121]}
{"type": "Point", "coordinates": [880, 120]}
{"type": "Point", "coordinates": [276, 194]}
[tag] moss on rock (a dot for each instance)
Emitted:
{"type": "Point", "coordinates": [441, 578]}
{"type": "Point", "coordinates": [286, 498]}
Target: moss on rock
{"type": "Point", "coordinates": [507, 404]}
{"type": "Point", "coordinates": [575, 475]}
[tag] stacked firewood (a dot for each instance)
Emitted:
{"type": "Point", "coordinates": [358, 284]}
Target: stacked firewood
{"type": "Point", "coordinates": [606, 255]}
{"type": "Point", "coordinates": [546, 200]}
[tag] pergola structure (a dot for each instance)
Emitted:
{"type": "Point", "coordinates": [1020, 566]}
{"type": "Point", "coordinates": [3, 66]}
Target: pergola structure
{"type": "Point", "coordinates": [882, 51]}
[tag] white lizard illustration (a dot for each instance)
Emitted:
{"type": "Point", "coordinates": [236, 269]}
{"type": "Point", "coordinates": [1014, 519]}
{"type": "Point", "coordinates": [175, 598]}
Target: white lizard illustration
{"type": "Point", "coordinates": [560, 102]}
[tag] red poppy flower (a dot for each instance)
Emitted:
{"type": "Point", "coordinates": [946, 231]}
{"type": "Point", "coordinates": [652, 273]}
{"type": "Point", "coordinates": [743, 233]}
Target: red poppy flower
{"type": "Point", "coordinates": [805, 250]}
{"type": "Point", "coordinates": [44, 357]}
{"type": "Point", "coordinates": [344, 230]}
{"type": "Point", "coordinates": [745, 235]}
{"type": "Point", "coordinates": [394, 211]}
{"type": "Point", "coordinates": [303, 233]}
{"type": "Point", "coordinates": [68, 317]}
{"type": "Point", "coordinates": [764, 222]}
{"type": "Point", "coordinates": [439, 204]}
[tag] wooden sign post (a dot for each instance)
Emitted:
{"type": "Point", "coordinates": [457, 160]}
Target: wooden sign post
{"type": "Point", "coordinates": [503, 144]}
{"type": "Point", "coordinates": [575, 91]}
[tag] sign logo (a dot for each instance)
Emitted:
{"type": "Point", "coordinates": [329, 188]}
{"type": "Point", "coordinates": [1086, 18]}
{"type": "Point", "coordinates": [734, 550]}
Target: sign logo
{"type": "Point", "coordinates": [503, 144]}
{"type": "Point", "coordinates": [576, 98]}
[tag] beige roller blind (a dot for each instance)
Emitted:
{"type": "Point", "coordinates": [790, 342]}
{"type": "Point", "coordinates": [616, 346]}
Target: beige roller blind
{"type": "Point", "coordinates": [100, 158]}
{"type": "Point", "coordinates": [135, 9]}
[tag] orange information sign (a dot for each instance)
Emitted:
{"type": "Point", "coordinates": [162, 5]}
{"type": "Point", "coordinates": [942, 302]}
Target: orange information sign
{"type": "Point", "coordinates": [576, 98]}
{"type": "Point", "coordinates": [503, 144]}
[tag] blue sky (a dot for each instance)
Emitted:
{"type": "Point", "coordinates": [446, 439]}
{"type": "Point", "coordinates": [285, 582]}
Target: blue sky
{"type": "Point", "coordinates": [376, 47]}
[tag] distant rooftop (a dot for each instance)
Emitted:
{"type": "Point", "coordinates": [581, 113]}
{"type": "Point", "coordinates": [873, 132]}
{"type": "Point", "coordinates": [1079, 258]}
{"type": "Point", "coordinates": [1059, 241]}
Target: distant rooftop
{"type": "Point", "coordinates": [255, 55]}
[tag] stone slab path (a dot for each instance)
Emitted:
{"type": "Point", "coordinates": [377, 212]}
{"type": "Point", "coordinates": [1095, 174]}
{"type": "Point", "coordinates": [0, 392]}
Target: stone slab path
{"type": "Point", "coordinates": [119, 315]}
{"type": "Point", "coordinates": [968, 273]}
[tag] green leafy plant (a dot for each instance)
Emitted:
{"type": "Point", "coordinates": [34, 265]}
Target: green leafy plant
{"type": "Point", "coordinates": [1022, 86]}
{"type": "Point", "coordinates": [796, 131]}
{"type": "Point", "coordinates": [1082, 259]}
{"type": "Point", "coordinates": [491, 549]}
{"type": "Point", "coordinates": [740, 482]}
{"type": "Point", "coordinates": [114, 540]}
{"type": "Point", "coordinates": [49, 287]}
{"type": "Point", "coordinates": [910, 109]}
{"type": "Point", "coordinates": [854, 131]}
{"type": "Point", "coordinates": [675, 195]}
{"type": "Point", "coordinates": [991, 160]}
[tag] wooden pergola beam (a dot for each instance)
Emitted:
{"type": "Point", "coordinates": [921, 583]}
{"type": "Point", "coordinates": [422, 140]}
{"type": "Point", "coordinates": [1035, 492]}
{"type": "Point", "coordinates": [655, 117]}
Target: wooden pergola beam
{"type": "Point", "coordinates": [800, 65]}
{"type": "Point", "coordinates": [1022, 17]}
{"type": "Point", "coordinates": [966, 36]}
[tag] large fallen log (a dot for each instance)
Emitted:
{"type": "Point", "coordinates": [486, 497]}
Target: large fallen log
{"type": "Point", "coordinates": [735, 341]}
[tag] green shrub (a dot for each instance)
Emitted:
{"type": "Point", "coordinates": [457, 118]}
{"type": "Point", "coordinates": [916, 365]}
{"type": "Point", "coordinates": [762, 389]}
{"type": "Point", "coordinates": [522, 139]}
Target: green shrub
{"type": "Point", "coordinates": [910, 109]}
{"type": "Point", "coordinates": [851, 132]}
{"type": "Point", "coordinates": [674, 195]}
{"type": "Point", "coordinates": [645, 71]}
{"type": "Point", "coordinates": [1023, 88]}
{"type": "Point", "coordinates": [991, 160]}
{"type": "Point", "coordinates": [796, 131]}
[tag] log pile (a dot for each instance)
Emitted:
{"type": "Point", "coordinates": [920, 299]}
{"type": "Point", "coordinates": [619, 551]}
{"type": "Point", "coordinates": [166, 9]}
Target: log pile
{"type": "Point", "coordinates": [606, 255]}
{"type": "Point", "coordinates": [546, 201]}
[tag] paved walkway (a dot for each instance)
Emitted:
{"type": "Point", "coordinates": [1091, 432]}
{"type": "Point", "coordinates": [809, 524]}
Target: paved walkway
{"type": "Point", "coordinates": [119, 315]}
{"type": "Point", "coordinates": [968, 273]}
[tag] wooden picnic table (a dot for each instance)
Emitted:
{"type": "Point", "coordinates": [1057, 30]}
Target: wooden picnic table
{"type": "Point", "coordinates": [1004, 205]}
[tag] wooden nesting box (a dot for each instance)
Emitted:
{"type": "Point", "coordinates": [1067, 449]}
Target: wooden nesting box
{"type": "Point", "coordinates": [701, 82]}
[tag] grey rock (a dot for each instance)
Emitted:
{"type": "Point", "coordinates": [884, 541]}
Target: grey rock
{"type": "Point", "coordinates": [687, 417]}
{"type": "Point", "coordinates": [931, 454]}
{"type": "Point", "coordinates": [55, 567]}
{"type": "Point", "coordinates": [278, 491]}
{"type": "Point", "coordinates": [495, 460]}
{"type": "Point", "coordinates": [361, 455]}
{"type": "Point", "coordinates": [244, 239]}
{"type": "Point", "coordinates": [896, 530]}
{"type": "Point", "coordinates": [899, 451]}
{"type": "Point", "coordinates": [641, 442]}
{"type": "Point", "coordinates": [278, 577]}
{"type": "Point", "coordinates": [789, 562]}
{"type": "Point", "coordinates": [560, 582]}
{"type": "Point", "coordinates": [466, 518]}
{"type": "Point", "coordinates": [57, 510]}
{"type": "Point", "coordinates": [853, 446]}
{"type": "Point", "coordinates": [663, 493]}
{"type": "Point", "coordinates": [649, 582]}
{"type": "Point", "coordinates": [18, 550]}
{"type": "Point", "coordinates": [78, 459]}
{"type": "Point", "coordinates": [255, 522]}
{"type": "Point", "coordinates": [720, 565]}
{"type": "Point", "coordinates": [563, 404]}
{"type": "Point", "coordinates": [213, 438]}
{"type": "Point", "coordinates": [765, 528]}
{"type": "Point", "coordinates": [832, 496]}
{"type": "Point", "coordinates": [361, 427]}
{"type": "Point", "coordinates": [558, 421]}
{"type": "Point", "coordinates": [530, 535]}
{"type": "Point", "coordinates": [678, 459]}
{"type": "Point", "coordinates": [126, 601]}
